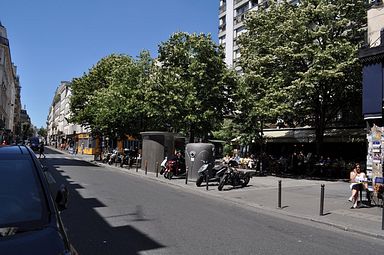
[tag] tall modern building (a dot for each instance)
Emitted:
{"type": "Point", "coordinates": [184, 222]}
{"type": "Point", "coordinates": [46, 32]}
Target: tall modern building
{"type": "Point", "coordinates": [231, 24]}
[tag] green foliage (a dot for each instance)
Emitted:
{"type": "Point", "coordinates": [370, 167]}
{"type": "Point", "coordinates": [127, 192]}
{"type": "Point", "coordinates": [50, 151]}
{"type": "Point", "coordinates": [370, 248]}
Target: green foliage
{"type": "Point", "coordinates": [300, 63]}
{"type": "Point", "coordinates": [56, 99]}
{"type": "Point", "coordinates": [110, 97]}
{"type": "Point", "coordinates": [42, 132]}
{"type": "Point", "coordinates": [26, 130]}
{"type": "Point", "coordinates": [188, 89]}
{"type": "Point", "coordinates": [192, 85]}
{"type": "Point", "coordinates": [227, 131]}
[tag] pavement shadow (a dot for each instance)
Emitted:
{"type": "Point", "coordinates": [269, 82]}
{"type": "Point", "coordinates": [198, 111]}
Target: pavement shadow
{"type": "Point", "coordinates": [88, 231]}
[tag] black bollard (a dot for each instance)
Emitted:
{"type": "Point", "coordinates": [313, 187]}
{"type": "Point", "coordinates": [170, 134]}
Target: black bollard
{"type": "Point", "coordinates": [322, 200]}
{"type": "Point", "coordinates": [206, 179]}
{"type": "Point", "coordinates": [146, 167]}
{"type": "Point", "coordinates": [137, 165]}
{"type": "Point", "coordinates": [186, 175]}
{"type": "Point", "coordinates": [157, 169]}
{"type": "Point", "coordinates": [279, 195]}
{"type": "Point", "coordinates": [382, 220]}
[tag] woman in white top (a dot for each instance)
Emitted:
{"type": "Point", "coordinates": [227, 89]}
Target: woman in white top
{"type": "Point", "coordinates": [356, 179]}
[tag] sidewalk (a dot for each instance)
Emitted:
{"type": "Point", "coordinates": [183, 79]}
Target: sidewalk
{"type": "Point", "coordinates": [300, 199]}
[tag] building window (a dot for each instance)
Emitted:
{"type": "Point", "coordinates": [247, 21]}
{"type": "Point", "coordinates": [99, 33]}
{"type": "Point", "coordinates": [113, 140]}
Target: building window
{"type": "Point", "coordinates": [222, 40]}
{"type": "Point", "coordinates": [239, 31]}
{"type": "Point", "coordinates": [242, 9]}
{"type": "Point", "coordinates": [254, 3]}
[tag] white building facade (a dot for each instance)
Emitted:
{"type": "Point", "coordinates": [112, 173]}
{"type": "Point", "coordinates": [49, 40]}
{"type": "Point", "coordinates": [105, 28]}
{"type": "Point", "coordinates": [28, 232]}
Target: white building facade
{"type": "Point", "coordinates": [59, 129]}
{"type": "Point", "coordinates": [231, 24]}
{"type": "Point", "coordinates": [10, 103]}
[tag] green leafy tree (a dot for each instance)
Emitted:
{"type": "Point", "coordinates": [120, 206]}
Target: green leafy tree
{"type": "Point", "coordinates": [109, 99]}
{"type": "Point", "coordinates": [42, 132]}
{"type": "Point", "coordinates": [300, 63]}
{"type": "Point", "coordinates": [26, 130]}
{"type": "Point", "coordinates": [191, 88]}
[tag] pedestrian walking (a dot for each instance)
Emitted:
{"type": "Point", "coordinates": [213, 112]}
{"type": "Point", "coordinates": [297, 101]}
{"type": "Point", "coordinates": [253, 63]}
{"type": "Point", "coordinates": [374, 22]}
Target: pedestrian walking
{"type": "Point", "coordinates": [41, 150]}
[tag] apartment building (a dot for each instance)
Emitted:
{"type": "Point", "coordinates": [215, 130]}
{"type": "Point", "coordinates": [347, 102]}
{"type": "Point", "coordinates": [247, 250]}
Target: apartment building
{"type": "Point", "coordinates": [10, 103]}
{"type": "Point", "coordinates": [232, 15]}
{"type": "Point", "coordinates": [59, 129]}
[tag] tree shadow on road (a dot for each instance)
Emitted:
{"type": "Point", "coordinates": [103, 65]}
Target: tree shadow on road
{"type": "Point", "coordinates": [88, 231]}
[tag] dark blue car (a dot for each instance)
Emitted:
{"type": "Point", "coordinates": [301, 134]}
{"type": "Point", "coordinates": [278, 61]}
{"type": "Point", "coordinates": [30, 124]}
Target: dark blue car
{"type": "Point", "coordinates": [29, 218]}
{"type": "Point", "coordinates": [34, 143]}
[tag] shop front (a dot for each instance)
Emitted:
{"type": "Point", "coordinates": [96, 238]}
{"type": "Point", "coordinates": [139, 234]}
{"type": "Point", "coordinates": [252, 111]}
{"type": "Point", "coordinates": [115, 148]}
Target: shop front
{"type": "Point", "coordinates": [86, 144]}
{"type": "Point", "coordinates": [372, 59]}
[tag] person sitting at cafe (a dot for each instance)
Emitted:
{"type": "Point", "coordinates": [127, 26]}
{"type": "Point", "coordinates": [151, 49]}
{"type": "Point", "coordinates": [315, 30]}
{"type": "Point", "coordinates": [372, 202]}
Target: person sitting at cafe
{"type": "Point", "coordinates": [358, 183]}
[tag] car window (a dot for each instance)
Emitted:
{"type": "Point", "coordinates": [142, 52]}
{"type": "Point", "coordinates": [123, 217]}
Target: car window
{"type": "Point", "coordinates": [21, 197]}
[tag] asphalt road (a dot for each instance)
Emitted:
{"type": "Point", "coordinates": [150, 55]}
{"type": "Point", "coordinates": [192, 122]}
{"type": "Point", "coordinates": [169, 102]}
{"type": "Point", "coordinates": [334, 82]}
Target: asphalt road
{"type": "Point", "coordinates": [113, 212]}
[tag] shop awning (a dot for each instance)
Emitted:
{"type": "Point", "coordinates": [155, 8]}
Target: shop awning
{"type": "Point", "coordinates": [307, 135]}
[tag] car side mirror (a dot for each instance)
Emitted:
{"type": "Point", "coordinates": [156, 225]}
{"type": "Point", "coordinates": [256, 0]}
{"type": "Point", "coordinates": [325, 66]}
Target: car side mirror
{"type": "Point", "coordinates": [62, 198]}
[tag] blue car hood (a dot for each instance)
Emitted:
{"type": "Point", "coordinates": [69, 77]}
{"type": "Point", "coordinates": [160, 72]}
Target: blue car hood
{"type": "Point", "coordinates": [45, 241]}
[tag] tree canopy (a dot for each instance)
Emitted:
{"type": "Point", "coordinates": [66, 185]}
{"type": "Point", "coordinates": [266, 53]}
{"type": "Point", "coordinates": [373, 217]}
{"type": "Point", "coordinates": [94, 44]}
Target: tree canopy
{"type": "Point", "coordinates": [187, 89]}
{"type": "Point", "coordinates": [110, 97]}
{"type": "Point", "coordinates": [300, 63]}
{"type": "Point", "coordinates": [193, 83]}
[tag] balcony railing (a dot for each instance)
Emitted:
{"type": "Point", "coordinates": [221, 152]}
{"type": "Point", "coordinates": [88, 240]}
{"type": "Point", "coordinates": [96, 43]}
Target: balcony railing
{"type": "Point", "coordinates": [4, 41]}
{"type": "Point", "coordinates": [239, 18]}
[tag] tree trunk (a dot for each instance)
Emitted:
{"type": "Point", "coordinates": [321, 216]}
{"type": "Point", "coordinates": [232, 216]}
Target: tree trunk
{"type": "Point", "coordinates": [192, 134]}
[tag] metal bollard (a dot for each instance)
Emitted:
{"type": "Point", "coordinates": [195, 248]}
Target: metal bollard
{"type": "Point", "coordinates": [279, 195]}
{"type": "Point", "coordinates": [137, 165]}
{"type": "Point", "coordinates": [186, 176]}
{"type": "Point", "coordinates": [206, 179]}
{"type": "Point", "coordinates": [382, 219]}
{"type": "Point", "coordinates": [146, 167]}
{"type": "Point", "coordinates": [157, 169]}
{"type": "Point", "coordinates": [322, 200]}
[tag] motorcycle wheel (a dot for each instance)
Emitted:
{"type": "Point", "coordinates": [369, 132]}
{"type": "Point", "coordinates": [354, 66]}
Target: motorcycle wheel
{"type": "Point", "coordinates": [222, 182]}
{"type": "Point", "coordinates": [245, 181]}
{"type": "Point", "coordinates": [166, 175]}
{"type": "Point", "coordinates": [199, 181]}
{"type": "Point", "coordinates": [162, 170]}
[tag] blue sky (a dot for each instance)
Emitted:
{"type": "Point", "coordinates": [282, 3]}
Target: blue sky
{"type": "Point", "coordinates": [58, 40]}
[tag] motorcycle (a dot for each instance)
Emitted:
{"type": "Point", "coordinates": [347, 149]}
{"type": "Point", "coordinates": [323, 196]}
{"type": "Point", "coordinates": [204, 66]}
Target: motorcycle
{"type": "Point", "coordinates": [235, 178]}
{"type": "Point", "coordinates": [214, 173]}
{"type": "Point", "coordinates": [106, 157]}
{"type": "Point", "coordinates": [174, 167]}
{"type": "Point", "coordinates": [115, 157]}
{"type": "Point", "coordinates": [163, 166]}
{"type": "Point", "coordinates": [124, 158]}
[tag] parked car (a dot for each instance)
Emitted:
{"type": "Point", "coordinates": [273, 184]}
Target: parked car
{"type": "Point", "coordinates": [34, 143]}
{"type": "Point", "coordinates": [30, 222]}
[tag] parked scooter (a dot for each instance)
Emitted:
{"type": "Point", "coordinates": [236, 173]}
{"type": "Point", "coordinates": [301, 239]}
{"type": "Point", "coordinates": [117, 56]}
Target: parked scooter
{"type": "Point", "coordinates": [235, 178]}
{"type": "Point", "coordinates": [214, 172]}
{"type": "Point", "coordinates": [175, 166]}
{"type": "Point", "coordinates": [125, 158]}
{"type": "Point", "coordinates": [163, 166]}
{"type": "Point", "coordinates": [115, 157]}
{"type": "Point", "coordinates": [106, 157]}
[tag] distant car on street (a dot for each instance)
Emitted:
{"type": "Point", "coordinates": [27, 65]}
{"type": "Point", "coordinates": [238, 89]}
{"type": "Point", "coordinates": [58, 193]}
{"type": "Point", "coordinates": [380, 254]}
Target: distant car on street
{"type": "Point", "coordinates": [34, 143]}
{"type": "Point", "coordinates": [30, 222]}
